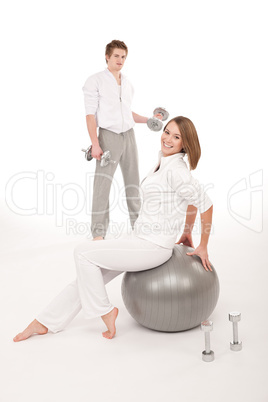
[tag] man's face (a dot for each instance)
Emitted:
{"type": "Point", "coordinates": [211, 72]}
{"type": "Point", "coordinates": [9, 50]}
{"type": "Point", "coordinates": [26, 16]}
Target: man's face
{"type": "Point", "coordinates": [116, 60]}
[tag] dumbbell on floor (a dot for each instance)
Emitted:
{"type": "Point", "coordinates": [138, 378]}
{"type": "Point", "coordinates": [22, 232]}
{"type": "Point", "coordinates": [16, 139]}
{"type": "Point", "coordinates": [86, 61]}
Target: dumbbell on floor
{"type": "Point", "coordinates": [207, 354]}
{"type": "Point", "coordinates": [207, 326]}
{"type": "Point", "coordinates": [234, 317]}
{"type": "Point", "coordinates": [105, 157]}
{"type": "Point", "coordinates": [156, 124]}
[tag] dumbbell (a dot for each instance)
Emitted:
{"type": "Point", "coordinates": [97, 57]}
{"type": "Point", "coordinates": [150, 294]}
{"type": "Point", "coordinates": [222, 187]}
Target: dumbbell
{"type": "Point", "coordinates": [105, 157]}
{"type": "Point", "coordinates": [207, 354]}
{"type": "Point", "coordinates": [156, 124]}
{"type": "Point", "coordinates": [234, 317]}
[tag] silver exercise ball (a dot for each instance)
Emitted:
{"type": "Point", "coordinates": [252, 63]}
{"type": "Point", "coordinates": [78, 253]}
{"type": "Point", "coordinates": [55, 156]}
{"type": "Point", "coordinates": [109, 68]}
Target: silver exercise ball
{"type": "Point", "coordinates": [175, 296]}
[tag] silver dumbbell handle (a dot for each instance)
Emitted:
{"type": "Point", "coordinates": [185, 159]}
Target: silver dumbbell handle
{"type": "Point", "coordinates": [234, 317]}
{"type": "Point", "coordinates": [207, 342]}
{"type": "Point", "coordinates": [235, 332]}
{"type": "Point", "coordinates": [207, 354]}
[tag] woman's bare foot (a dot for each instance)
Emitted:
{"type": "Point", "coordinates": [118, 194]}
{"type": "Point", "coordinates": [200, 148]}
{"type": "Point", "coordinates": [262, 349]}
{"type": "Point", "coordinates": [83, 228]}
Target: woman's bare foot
{"type": "Point", "coordinates": [34, 328]}
{"type": "Point", "coordinates": [98, 238]}
{"type": "Point", "coordinates": [109, 320]}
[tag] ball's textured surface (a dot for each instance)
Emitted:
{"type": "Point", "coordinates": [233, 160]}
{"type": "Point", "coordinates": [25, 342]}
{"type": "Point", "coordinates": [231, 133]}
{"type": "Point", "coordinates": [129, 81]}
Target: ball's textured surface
{"type": "Point", "coordinates": [175, 296]}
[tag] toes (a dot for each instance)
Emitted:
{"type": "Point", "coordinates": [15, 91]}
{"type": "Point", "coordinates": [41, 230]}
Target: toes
{"type": "Point", "coordinates": [29, 331]}
{"type": "Point", "coordinates": [23, 335]}
{"type": "Point", "coordinates": [18, 337]}
{"type": "Point", "coordinates": [107, 335]}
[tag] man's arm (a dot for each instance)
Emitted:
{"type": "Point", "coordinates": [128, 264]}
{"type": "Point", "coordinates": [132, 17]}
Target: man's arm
{"type": "Point", "coordinates": [142, 119]}
{"type": "Point", "coordinates": [96, 151]}
{"type": "Point", "coordinates": [139, 119]}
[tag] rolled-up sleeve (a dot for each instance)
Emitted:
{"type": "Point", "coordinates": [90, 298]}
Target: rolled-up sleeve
{"type": "Point", "coordinates": [91, 95]}
{"type": "Point", "coordinates": [188, 188]}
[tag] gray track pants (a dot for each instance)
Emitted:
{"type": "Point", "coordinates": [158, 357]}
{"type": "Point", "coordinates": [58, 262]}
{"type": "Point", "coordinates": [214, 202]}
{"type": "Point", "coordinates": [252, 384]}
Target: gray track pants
{"type": "Point", "coordinates": [124, 151]}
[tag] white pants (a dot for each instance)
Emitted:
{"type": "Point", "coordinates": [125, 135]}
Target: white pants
{"type": "Point", "coordinates": [97, 263]}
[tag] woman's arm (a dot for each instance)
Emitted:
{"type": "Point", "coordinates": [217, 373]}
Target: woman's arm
{"type": "Point", "coordinates": [189, 189]}
{"type": "Point", "coordinates": [186, 237]}
{"type": "Point", "coordinates": [201, 250]}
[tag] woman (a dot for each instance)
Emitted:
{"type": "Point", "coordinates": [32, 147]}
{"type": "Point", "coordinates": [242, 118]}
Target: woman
{"type": "Point", "coordinates": [168, 192]}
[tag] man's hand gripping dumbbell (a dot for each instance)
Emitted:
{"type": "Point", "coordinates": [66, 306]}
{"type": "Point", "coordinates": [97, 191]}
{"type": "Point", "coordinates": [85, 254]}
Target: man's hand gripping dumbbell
{"type": "Point", "coordinates": [155, 122]}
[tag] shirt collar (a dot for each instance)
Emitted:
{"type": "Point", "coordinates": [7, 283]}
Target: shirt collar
{"type": "Point", "coordinates": [166, 159]}
{"type": "Point", "coordinates": [111, 74]}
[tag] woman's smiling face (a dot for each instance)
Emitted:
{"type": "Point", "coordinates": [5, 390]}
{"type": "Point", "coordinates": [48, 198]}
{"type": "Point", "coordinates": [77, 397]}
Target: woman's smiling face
{"type": "Point", "coordinates": [171, 140]}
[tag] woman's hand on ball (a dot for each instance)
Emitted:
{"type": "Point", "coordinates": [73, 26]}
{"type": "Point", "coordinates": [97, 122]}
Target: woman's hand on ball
{"type": "Point", "coordinates": [186, 240]}
{"type": "Point", "coordinates": [202, 252]}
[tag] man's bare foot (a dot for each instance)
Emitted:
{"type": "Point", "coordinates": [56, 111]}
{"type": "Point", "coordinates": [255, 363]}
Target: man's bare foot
{"type": "Point", "coordinates": [34, 328]}
{"type": "Point", "coordinates": [98, 238]}
{"type": "Point", "coordinates": [109, 320]}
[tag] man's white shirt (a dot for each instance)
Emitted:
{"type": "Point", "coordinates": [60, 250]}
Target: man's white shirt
{"type": "Point", "coordinates": [110, 104]}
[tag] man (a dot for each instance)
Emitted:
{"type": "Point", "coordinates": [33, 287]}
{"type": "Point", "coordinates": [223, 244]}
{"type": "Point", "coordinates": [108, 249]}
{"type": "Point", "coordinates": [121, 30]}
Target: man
{"type": "Point", "coordinates": [108, 96]}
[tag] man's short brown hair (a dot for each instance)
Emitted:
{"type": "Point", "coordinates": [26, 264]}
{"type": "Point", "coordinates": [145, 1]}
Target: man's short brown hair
{"type": "Point", "coordinates": [115, 44]}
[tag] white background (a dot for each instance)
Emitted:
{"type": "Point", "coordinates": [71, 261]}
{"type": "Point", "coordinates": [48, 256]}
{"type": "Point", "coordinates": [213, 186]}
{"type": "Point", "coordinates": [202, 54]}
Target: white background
{"type": "Point", "coordinates": [203, 60]}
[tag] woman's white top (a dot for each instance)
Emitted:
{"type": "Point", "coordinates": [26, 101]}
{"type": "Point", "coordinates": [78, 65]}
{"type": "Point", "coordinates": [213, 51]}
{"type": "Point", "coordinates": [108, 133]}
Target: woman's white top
{"type": "Point", "coordinates": [166, 194]}
{"type": "Point", "coordinates": [111, 107]}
